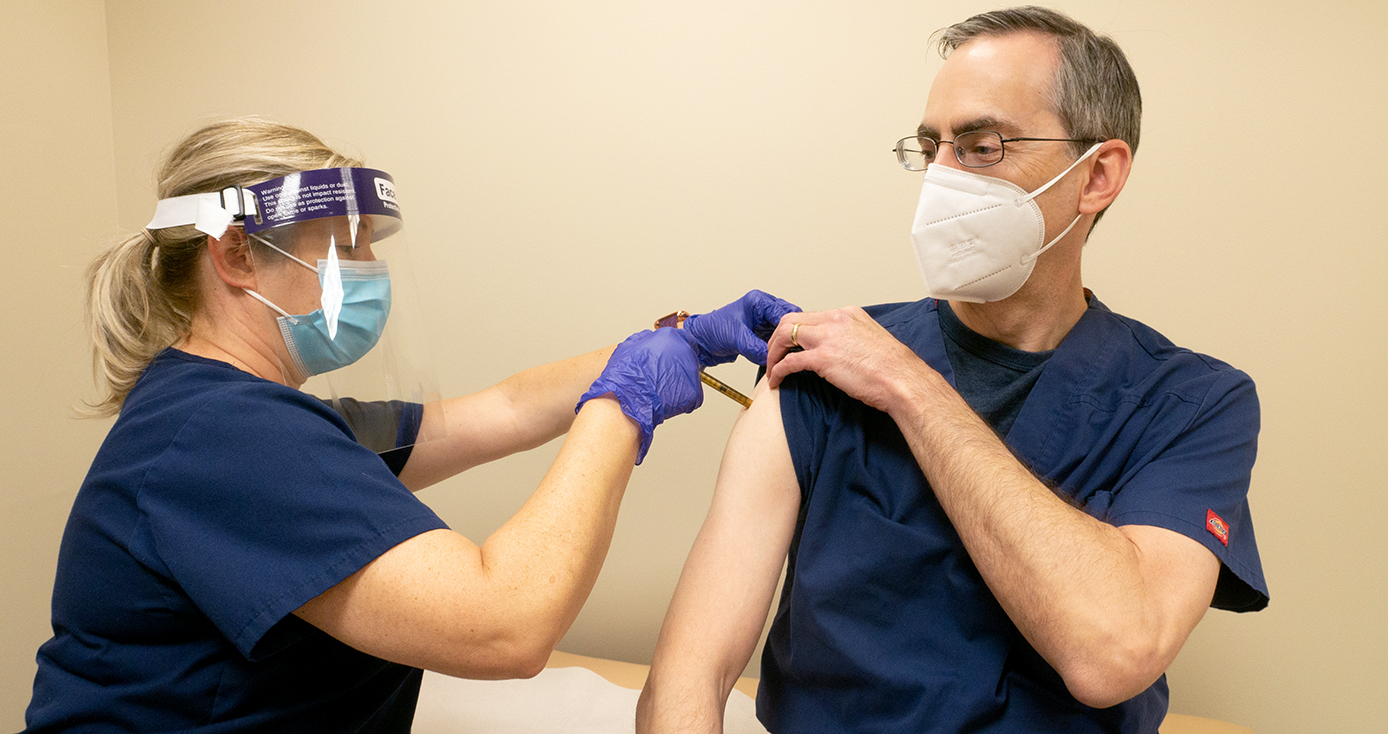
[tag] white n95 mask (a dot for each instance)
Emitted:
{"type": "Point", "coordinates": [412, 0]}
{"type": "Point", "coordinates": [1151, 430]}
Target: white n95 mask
{"type": "Point", "coordinates": [977, 237]}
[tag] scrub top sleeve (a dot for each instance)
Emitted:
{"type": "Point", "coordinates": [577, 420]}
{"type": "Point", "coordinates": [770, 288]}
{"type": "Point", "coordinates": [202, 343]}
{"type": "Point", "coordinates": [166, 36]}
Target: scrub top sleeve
{"type": "Point", "coordinates": [264, 501]}
{"type": "Point", "coordinates": [807, 407]}
{"type": "Point", "coordinates": [1195, 482]}
{"type": "Point", "coordinates": [388, 427]}
{"type": "Point", "coordinates": [380, 425]}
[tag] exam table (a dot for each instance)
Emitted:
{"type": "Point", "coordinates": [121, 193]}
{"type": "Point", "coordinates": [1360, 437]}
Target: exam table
{"type": "Point", "coordinates": [576, 694]}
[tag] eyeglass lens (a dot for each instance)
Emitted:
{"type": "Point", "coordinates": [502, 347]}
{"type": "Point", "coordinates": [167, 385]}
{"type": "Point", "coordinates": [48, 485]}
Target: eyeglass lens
{"type": "Point", "coordinates": [976, 149]}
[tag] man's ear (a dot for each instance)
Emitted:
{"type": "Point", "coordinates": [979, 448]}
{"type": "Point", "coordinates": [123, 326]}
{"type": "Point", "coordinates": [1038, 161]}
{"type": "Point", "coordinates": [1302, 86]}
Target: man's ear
{"type": "Point", "coordinates": [1108, 172]}
{"type": "Point", "coordinates": [231, 256]}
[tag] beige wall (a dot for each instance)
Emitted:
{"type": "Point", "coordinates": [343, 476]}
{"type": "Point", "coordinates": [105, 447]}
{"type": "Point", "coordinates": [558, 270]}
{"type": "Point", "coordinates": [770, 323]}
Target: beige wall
{"type": "Point", "coordinates": [571, 170]}
{"type": "Point", "coordinates": [57, 202]}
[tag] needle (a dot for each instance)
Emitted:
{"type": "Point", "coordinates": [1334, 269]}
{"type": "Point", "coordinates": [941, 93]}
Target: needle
{"type": "Point", "coordinates": [724, 388]}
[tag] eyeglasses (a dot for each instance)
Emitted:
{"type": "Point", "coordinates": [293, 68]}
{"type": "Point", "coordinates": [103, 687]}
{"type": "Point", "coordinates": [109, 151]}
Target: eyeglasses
{"type": "Point", "coordinates": [977, 149]}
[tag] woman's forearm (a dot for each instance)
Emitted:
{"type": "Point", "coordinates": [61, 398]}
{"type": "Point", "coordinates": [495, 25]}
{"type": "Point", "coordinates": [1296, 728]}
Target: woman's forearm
{"type": "Point", "coordinates": [521, 412]}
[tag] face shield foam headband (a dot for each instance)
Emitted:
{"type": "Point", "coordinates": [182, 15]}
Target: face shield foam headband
{"type": "Point", "coordinates": [382, 395]}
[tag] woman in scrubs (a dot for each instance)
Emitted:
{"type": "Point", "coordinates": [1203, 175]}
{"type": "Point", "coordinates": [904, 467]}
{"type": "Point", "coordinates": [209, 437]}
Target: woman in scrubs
{"type": "Point", "coordinates": [236, 560]}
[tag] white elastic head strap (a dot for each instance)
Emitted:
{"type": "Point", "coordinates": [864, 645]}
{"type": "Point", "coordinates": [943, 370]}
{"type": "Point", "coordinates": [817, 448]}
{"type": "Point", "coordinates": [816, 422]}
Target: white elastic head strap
{"type": "Point", "coordinates": [1048, 184]}
{"type": "Point", "coordinates": [210, 214]}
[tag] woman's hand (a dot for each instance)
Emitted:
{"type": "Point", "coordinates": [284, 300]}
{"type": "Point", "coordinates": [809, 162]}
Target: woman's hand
{"type": "Point", "coordinates": [741, 327]}
{"type": "Point", "coordinates": [654, 375]}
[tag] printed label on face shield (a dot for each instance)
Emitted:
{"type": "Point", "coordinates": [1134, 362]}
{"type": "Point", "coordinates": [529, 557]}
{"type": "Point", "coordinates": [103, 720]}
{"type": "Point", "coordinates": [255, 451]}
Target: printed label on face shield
{"type": "Point", "coordinates": [385, 190]}
{"type": "Point", "coordinates": [328, 192]}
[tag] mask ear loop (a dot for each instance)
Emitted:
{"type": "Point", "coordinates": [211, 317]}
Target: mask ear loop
{"type": "Point", "coordinates": [285, 378]}
{"type": "Point", "coordinates": [265, 300]}
{"type": "Point", "coordinates": [1059, 237]}
{"type": "Point", "coordinates": [1052, 182]}
{"type": "Point", "coordinates": [1048, 184]}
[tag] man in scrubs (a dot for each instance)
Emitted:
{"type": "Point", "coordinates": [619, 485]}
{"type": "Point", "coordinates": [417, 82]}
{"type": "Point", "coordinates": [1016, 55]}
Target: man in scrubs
{"type": "Point", "coordinates": [1002, 508]}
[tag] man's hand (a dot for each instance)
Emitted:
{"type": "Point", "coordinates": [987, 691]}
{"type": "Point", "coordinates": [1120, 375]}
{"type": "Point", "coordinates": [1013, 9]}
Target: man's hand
{"type": "Point", "coordinates": [847, 348]}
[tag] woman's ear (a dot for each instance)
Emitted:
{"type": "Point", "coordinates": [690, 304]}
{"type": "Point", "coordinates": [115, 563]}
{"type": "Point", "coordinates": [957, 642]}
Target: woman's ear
{"type": "Point", "coordinates": [1108, 172]}
{"type": "Point", "coordinates": [231, 256]}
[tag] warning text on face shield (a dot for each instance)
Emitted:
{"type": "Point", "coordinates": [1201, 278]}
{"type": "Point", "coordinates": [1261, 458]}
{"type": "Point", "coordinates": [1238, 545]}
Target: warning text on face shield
{"type": "Point", "coordinates": [311, 199]}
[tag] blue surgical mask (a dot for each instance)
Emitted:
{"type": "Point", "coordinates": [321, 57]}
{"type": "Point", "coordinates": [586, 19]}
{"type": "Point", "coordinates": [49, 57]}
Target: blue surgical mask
{"type": "Point", "coordinates": [356, 303]}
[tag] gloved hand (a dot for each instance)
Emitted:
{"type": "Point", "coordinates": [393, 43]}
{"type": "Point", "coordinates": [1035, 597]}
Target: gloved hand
{"type": "Point", "coordinates": [741, 327]}
{"type": "Point", "coordinates": [654, 375]}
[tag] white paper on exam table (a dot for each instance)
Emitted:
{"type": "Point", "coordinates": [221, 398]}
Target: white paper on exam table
{"type": "Point", "coordinates": [558, 700]}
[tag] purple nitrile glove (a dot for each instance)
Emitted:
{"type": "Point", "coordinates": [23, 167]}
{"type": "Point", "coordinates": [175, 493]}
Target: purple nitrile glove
{"type": "Point", "coordinates": [741, 327]}
{"type": "Point", "coordinates": [654, 375]}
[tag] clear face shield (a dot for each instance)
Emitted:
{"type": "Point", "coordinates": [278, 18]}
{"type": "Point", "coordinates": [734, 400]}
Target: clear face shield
{"type": "Point", "coordinates": [361, 343]}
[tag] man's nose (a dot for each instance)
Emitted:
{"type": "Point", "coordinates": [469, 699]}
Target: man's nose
{"type": "Point", "coordinates": [950, 159]}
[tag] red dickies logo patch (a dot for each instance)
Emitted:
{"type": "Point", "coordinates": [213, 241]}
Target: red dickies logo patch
{"type": "Point", "coordinates": [1216, 525]}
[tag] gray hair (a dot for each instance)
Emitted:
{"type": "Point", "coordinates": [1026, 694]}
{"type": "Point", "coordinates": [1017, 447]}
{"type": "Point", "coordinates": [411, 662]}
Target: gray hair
{"type": "Point", "coordinates": [143, 290]}
{"type": "Point", "coordinates": [1095, 91]}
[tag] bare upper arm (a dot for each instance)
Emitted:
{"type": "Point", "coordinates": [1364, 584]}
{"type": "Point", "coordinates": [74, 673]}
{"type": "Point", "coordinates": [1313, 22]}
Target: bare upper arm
{"type": "Point", "coordinates": [401, 607]}
{"type": "Point", "coordinates": [729, 578]}
{"type": "Point", "coordinates": [1143, 619]}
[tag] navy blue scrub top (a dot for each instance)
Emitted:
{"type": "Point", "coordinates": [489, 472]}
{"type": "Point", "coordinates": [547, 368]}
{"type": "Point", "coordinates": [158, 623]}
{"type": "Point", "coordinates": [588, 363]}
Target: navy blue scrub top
{"type": "Point", "coordinates": [885, 625]}
{"type": "Point", "coordinates": [218, 504]}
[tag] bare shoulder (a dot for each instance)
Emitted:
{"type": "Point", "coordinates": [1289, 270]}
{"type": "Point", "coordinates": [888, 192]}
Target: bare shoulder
{"type": "Point", "coordinates": [756, 498]}
{"type": "Point", "coordinates": [757, 453]}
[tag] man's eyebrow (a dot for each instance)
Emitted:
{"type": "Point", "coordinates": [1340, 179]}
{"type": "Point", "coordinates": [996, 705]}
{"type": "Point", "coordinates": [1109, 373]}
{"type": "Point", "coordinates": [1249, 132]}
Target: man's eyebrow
{"type": "Point", "coordinates": [987, 122]}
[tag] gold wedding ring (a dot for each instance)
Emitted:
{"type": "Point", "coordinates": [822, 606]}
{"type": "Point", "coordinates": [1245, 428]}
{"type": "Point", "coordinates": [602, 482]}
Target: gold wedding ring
{"type": "Point", "coordinates": [793, 331]}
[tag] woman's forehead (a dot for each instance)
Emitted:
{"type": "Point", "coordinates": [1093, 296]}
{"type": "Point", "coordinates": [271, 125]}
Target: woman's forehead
{"type": "Point", "coordinates": [337, 230]}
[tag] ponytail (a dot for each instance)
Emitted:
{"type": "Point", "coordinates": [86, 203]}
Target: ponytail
{"type": "Point", "coordinates": [140, 300]}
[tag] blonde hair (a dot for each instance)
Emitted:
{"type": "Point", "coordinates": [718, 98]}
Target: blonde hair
{"type": "Point", "coordinates": [144, 289]}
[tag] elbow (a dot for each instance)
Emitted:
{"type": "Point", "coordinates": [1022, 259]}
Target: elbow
{"type": "Point", "coordinates": [526, 657]}
{"type": "Point", "coordinates": [503, 657]}
{"type": "Point", "coordinates": [1114, 674]}
{"type": "Point", "coordinates": [531, 644]}
{"type": "Point", "coordinates": [526, 661]}
{"type": "Point", "coordinates": [644, 713]}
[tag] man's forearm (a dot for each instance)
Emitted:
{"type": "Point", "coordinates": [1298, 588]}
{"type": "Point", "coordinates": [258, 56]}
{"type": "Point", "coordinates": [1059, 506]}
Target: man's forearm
{"type": "Point", "coordinates": [1072, 584]}
{"type": "Point", "coordinates": [678, 707]}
